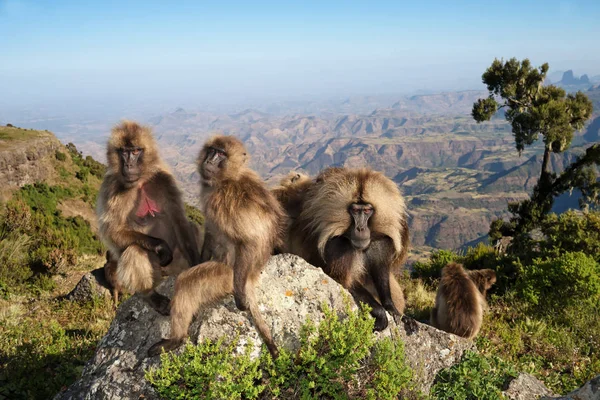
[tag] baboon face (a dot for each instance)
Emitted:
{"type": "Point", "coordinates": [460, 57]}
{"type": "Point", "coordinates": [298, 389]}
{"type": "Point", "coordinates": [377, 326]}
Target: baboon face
{"type": "Point", "coordinates": [131, 158]}
{"type": "Point", "coordinates": [221, 158]}
{"type": "Point", "coordinates": [213, 164]}
{"type": "Point", "coordinates": [360, 234]}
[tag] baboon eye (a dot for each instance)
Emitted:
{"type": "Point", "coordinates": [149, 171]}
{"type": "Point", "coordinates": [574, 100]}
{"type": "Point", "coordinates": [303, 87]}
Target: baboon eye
{"type": "Point", "coordinates": [135, 152]}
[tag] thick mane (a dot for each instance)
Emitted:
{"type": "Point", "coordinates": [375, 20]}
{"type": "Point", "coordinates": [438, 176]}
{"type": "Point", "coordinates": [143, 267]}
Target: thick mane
{"type": "Point", "coordinates": [326, 209]}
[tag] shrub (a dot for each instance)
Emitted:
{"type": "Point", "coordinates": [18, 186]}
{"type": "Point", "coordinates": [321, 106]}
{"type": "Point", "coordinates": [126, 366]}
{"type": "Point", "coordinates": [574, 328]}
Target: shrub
{"type": "Point", "coordinates": [567, 279]}
{"type": "Point", "coordinates": [573, 231]}
{"type": "Point", "coordinates": [432, 269]}
{"type": "Point", "coordinates": [476, 377]}
{"type": "Point", "coordinates": [339, 359]}
{"type": "Point", "coordinates": [60, 156]}
{"type": "Point", "coordinates": [209, 370]}
{"type": "Point", "coordinates": [82, 174]}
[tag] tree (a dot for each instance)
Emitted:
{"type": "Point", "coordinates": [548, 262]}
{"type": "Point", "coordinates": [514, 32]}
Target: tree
{"type": "Point", "coordinates": [533, 111]}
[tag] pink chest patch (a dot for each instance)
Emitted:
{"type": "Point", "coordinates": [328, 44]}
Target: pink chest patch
{"type": "Point", "coordinates": [147, 205]}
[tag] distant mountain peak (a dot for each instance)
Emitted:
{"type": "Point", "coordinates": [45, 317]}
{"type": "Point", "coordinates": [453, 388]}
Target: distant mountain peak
{"type": "Point", "coordinates": [569, 78]}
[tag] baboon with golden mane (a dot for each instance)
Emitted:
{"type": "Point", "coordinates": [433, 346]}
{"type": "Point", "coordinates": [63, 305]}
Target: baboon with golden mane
{"type": "Point", "coordinates": [353, 225]}
{"type": "Point", "coordinates": [243, 226]}
{"type": "Point", "coordinates": [460, 300]}
{"type": "Point", "coordinates": [141, 215]}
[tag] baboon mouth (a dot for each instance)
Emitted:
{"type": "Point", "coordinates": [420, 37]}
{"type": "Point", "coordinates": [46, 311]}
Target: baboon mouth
{"type": "Point", "coordinates": [360, 244]}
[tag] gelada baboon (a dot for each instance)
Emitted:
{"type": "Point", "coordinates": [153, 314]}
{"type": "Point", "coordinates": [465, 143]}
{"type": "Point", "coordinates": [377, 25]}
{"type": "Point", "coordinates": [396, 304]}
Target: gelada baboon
{"type": "Point", "coordinates": [243, 225]}
{"type": "Point", "coordinates": [353, 225]}
{"type": "Point", "coordinates": [460, 300]}
{"type": "Point", "coordinates": [141, 215]}
{"type": "Point", "coordinates": [110, 274]}
{"type": "Point", "coordinates": [290, 192]}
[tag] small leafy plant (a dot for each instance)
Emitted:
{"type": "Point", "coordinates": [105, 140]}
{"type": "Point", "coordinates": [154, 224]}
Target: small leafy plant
{"type": "Point", "coordinates": [339, 359]}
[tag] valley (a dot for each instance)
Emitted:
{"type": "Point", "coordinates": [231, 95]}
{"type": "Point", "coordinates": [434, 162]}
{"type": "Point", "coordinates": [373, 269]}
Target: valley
{"type": "Point", "coordinates": [456, 174]}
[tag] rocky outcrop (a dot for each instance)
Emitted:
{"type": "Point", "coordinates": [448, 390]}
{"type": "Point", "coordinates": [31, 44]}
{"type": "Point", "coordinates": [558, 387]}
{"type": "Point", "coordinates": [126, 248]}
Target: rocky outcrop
{"type": "Point", "coordinates": [526, 387]}
{"type": "Point", "coordinates": [91, 285]}
{"type": "Point", "coordinates": [26, 162]}
{"type": "Point", "coordinates": [290, 291]}
{"type": "Point", "coordinates": [569, 79]}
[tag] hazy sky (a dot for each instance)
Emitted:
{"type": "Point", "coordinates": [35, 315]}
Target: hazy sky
{"type": "Point", "coordinates": [147, 50]}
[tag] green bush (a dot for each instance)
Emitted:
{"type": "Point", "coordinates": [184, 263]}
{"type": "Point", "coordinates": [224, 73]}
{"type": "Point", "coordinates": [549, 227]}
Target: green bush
{"type": "Point", "coordinates": [476, 377]}
{"type": "Point", "coordinates": [87, 166]}
{"type": "Point", "coordinates": [36, 238]}
{"type": "Point", "coordinates": [573, 231]}
{"type": "Point", "coordinates": [339, 359]}
{"type": "Point", "coordinates": [432, 269]}
{"type": "Point", "coordinates": [570, 278]}
{"type": "Point", "coordinates": [60, 156]}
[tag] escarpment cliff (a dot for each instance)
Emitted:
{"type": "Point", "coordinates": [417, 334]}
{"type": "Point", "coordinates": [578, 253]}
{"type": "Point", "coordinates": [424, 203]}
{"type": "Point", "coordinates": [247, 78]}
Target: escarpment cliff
{"type": "Point", "coordinates": [26, 157]}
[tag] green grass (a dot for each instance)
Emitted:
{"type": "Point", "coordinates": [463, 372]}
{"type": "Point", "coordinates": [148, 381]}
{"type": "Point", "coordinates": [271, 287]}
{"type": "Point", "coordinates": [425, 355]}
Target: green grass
{"type": "Point", "coordinates": [45, 343]}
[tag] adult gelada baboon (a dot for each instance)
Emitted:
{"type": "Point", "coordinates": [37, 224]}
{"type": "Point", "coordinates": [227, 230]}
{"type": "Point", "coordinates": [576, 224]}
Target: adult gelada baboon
{"type": "Point", "coordinates": [141, 215]}
{"type": "Point", "coordinates": [353, 225]}
{"type": "Point", "coordinates": [460, 300]}
{"type": "Point", "coordinates": [243, 225]}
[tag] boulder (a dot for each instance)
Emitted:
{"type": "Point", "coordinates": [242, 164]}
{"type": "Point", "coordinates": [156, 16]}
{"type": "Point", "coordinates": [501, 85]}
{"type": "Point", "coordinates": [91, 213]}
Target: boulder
{"type": "Point", "coordinates": [90, 285]}
{"type": "Point", "coordinates": [290, 290]}
{"type": "Point", "coordinates": [526, 387]}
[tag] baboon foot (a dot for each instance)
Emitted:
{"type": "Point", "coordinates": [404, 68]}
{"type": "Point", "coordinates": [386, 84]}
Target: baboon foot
{"type": "Point", "coordinates": [381, 321]}
{"type": "Point", "coordinates": [165, 345]}
{"type": "Point", "coordinates": [410, 324]}
{"type": "Point", "coordinates": [241, 302]}
{"type": "Point", "coordinates": [273, 350]}
{"type": "Point", "coordinates": [160, 303]}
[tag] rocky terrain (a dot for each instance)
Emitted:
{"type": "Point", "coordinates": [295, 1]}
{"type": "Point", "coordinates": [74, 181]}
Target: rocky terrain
{"type": "Point", "coordinates": [294, 292]}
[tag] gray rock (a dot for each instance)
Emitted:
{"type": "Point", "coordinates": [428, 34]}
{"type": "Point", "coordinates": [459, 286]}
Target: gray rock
{"type": "Point", "coordinates": [290, 290]}
{"type": "Point", "coordinates": [526, 387]}
{"type": "Point", "coordinates": [589, 391]}
{"type": "Point", "coordinates": [90, 285]}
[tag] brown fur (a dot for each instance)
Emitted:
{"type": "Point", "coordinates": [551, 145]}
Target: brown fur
{"type": "Point", "coordinates": [243, 226]}
{"type": "Point", "coordinates": [110, 274]}
{"type": "Point", "coordinates": [291, 193]}
{"type": "Point", "coordinates": [320, 235]}
{"type": "Point", "coordinates": [460, 300]}
{"type": "Point", "coordinates": [143, 247]}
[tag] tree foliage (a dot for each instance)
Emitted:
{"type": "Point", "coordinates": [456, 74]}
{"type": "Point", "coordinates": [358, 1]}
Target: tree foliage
{"type": "Point", "coordinates": [533, 111]}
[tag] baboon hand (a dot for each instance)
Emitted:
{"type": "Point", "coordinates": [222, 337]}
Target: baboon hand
{"type": "Point", "coordinates": [164, 253]}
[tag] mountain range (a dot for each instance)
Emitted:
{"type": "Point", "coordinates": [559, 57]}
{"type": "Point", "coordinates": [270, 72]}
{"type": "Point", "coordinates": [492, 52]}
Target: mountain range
{"type": "Point", "coordinates": [456, 174]}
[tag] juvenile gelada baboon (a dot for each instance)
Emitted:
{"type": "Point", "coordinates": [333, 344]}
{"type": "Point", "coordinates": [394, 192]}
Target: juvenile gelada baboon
{"type": "Point", "coordinates": [243, 226]}
{"type": "Point", "coordinates": [141, 215]}
{"type": "Point", "coordinates": [110, 274]}
{"type": "Point", "coordinates": [353, 225]}
{"type": "Point", "coordinates": [291, 192]}
{"type": "Point", "coordinates": [460, 300]}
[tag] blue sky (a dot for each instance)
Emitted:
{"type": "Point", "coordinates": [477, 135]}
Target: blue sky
{"type": "Point", "coordinates": [236, 49]}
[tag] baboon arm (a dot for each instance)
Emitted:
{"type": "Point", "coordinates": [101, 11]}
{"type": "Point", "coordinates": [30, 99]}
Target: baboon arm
{"type": "Point", "coordinates": [186, 237]}
{"type": "Point", "coordinates": [184, 233]}
{"type": "Point", "coordinates": [127, 238]}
